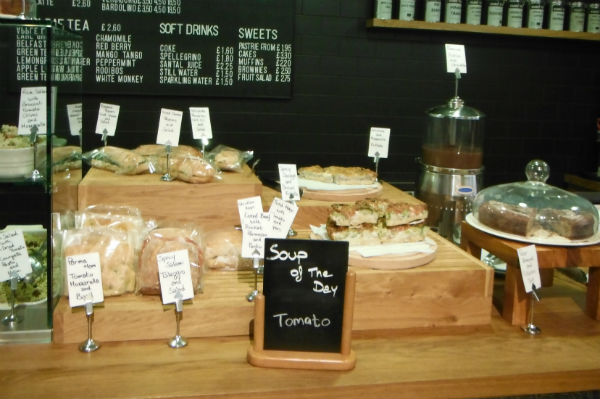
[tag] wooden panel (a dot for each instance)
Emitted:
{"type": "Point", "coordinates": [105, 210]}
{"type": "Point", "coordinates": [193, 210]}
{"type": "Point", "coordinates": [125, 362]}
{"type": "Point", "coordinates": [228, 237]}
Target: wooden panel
{"type": "Point", "coordinates": [453, 290]}
{"type": "Point", "coordinates": [211, 204]}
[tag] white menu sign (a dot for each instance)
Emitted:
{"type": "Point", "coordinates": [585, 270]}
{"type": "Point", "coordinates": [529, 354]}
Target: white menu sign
{"type": "Point", "coordinates": [169, 127]}
{"type": "Point", "coordinates": [281, 217]}
{"type": "Point", "coordinates": [254, 227]}
{"type": "Point", "coordinates": [84, 279]}
{"type": "Point", "coordinates": [75, 116]}
{"type": "Point", "coordinates": [14, 260]}
{"type": "Point", "coordinates": [288, 180]}
{"type": "Point", "coordinates": [530, 270]}
{"type": "Point", "coordinates": [201, 127]}
{"type": "Point", "coordinates": [455, 58]}
{"type": "Point", "coordinates": [108, 115]}
{"type": "Point", "coordinates": [32, 110]}
{"type": "Point", "coordinates": [379, 142]}
{"type": "Point", "coordinates": [175, 276]}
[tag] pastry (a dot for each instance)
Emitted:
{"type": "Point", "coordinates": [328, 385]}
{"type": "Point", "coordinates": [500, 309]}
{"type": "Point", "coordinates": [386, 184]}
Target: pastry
{"type": "Point", "coordinates": [374, 221]}
{"type": "Point", "coordinates": [344, 175]}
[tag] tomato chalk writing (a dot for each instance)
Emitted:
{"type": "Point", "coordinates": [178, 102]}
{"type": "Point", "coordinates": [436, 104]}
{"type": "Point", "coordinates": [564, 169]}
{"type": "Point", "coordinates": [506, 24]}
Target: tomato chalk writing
{"type": "Point", "coordinates": [311, 321]}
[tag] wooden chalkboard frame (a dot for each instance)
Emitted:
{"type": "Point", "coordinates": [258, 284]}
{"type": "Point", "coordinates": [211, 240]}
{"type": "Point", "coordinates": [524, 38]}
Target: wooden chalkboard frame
{"type": "Point", "coordinates": [344, 360]}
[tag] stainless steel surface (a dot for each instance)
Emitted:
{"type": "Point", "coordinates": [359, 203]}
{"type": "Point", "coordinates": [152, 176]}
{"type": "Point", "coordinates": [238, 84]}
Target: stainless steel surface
{"type": "Point", "coordinates": [448, 194]}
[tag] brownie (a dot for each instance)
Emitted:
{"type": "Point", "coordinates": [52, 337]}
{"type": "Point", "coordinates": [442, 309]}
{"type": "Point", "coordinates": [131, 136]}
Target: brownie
{"type": "Point", "coordinates": [566, 223]}
{"type": "Point", "coordinates": [505, 217]}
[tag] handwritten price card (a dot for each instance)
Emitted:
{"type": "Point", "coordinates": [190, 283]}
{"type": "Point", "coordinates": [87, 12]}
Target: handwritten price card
{"type": "Point", "coordinates": [455, 58]}
{"type": "Point", "coordinates": [281, 217]}
{"type": "Point", "coordinates": [169, 127]}
{"type": "Point", "coordinates": [75, 116]}
{"type": "Point", "coordinates": [379, 142]}
{"type": "Point", "coordinates": [84, 279]}
{"type": "Point", "coordinates": [14, 260]}
{"type": "Point", "coordinates": [304, 284]}
{"type": "Point", "coordinates": [288, 180]}
{"type": "Point", "coordinates": [175, 276]}
{"type": "Point", "coordinates": [200, 119]}
{"type": "Point", "coordinates": [108, 115]}
{"type": "Point", "coordinates": [530, 270]}
{"type": "Point", "coordinates": [254, 226]}
{"type": "Point", "coordinates": [33, 110]}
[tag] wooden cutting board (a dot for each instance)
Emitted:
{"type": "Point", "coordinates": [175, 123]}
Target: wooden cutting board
{"type": "Point", "coordinates": [341, 195]}
{"type": "Point", "coordinates": [391, 262]}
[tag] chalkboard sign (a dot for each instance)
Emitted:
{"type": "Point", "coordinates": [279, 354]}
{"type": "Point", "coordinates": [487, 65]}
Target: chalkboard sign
{"type": "Point", "coordinates": [181, 47]}
{"type": "Point", "coordinates": [304, 289]}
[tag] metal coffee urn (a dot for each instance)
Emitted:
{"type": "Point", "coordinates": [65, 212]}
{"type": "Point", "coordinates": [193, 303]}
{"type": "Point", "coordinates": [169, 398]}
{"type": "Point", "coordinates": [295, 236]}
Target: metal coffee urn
{"type": "Point", "coordinates": [451, 165]}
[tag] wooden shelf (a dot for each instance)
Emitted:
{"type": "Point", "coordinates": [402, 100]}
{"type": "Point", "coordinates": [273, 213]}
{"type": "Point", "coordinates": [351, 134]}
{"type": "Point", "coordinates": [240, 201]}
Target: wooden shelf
{"type": "Point", "coordinates": [494, 30]}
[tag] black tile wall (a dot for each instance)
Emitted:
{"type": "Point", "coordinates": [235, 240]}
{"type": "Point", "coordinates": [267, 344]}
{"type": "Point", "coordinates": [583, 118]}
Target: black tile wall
{"type": "Point", "coordinates": [541, 98]}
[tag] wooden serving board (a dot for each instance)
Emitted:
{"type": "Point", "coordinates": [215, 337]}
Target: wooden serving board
{"type": "Point", "coordinates": [341, 195]}
{"type": "Point", "coordinates": [391, 262]}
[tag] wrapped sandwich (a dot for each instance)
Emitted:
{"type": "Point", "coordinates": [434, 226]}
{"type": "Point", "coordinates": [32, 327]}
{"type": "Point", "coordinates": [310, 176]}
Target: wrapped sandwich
{"type": "Point", "coordinates": [163, 240]}
{"type": "Point", "coordinates": [118, 160]}
{"type": "Point", "coordinates": [224, 250]}
{"type": "Point", "coordinates": [117, 256]}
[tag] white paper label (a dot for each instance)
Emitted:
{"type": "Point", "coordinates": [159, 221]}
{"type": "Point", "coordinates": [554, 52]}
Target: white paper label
{"type": "Point", "coordinates": [455, 58]}
{"type": "Point", "coordinates": [14, 260]}
{"type": "Point", "coordinates": [281, 217]}
{"type": "Point", "coordinates": [288, 180]}
{"type": "Point", "coordinates": [169, 127]}
{"type": "Point", "coordinates": [407, 10]}
{"type": "Point", "coordinates": [379, 142]}
{"type": "Point", "coordinates": [530, 270]}
{"type": "Point", "coordinates": [473, 13]}
{"type": "Point", "coordinates": [33, 110]}
{"type": "Point", "coordinates": [175, 276]}
{"type": "Point", "coordinates": [201, 127]}
{"type": "Point", "coordinates": [494, 15]}
{"type": "Point", "coordinates": [254, 227]}
{"type": "Point", "coordinates": [453, 12]}
{"type": "Point", "coordinates": [75, 116]}
{"type": "Point", "coordinates": [84, 279]}
{"type": "Point", "coordinates": [108, 115]}
{"type": "Point", "coordinates": [433, 11]}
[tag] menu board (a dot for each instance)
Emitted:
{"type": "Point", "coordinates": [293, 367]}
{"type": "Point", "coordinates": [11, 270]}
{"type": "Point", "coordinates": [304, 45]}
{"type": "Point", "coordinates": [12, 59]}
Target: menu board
{"type": "Point", "coordinates": [181, 47]}
{"type": "Point", "coordinates": [304, 287]}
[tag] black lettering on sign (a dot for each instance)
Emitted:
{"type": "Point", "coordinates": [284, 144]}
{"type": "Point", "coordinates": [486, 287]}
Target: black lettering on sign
{"type": "Point", "coordinates": [303, 285]}
{"type": "Point", "coordinates": [174, 47]}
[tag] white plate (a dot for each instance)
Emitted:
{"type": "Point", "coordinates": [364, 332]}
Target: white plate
{"type": "Point", "coordinates": [319, 185]}
{"type": "Point", "coordinates": [556, 240]}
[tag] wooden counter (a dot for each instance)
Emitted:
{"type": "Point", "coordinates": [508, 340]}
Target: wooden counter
{"type": "Point", "coordinates": [494, 360]}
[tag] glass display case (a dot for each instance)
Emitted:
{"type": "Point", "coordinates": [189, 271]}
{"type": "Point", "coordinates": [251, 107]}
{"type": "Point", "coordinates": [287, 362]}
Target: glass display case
{"type": "Point", "coordinates": [536, 212]}
{"type": "Point", "coordinates": [40, 164]}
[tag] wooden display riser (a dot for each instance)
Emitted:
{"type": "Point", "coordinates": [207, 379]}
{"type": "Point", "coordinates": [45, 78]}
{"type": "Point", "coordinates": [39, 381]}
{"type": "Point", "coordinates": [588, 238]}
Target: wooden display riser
{"type": "Point", "coordinates": [453, 290]}
{"type": "Point", "coordinates": [209, 204]}
{"type": "Point", "coordinates": [315, 212]}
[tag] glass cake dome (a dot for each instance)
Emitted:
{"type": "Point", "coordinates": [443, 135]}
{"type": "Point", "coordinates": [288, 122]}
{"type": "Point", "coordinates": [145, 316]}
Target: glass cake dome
{"type": "Point", "coordinates": [536, 210]}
